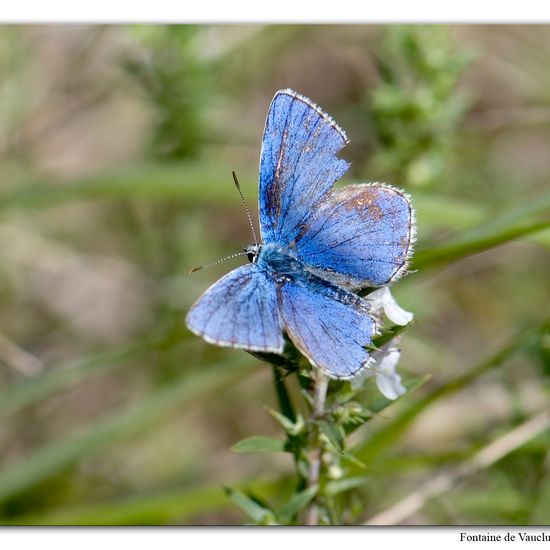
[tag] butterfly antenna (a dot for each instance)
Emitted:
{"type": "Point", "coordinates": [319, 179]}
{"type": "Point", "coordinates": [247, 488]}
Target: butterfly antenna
{"type": "Point", "coordinates": [245, 207]}
{"type": "Point", "coordinates": [193, 269]}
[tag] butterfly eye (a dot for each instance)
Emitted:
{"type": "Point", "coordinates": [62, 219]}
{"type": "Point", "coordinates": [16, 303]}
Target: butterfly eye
{"type": "Point", "coordinates": [252, 253]}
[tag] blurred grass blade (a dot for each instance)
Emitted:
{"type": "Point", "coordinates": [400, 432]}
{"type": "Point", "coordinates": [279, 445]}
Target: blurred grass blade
{"type": "Point", "coordinates": [466, 247]}
{"type": "Point", "coordinates": [136, 418]}
{"type": "Point", "coordinates": [385, 437]}
{"type": "Point", "coordinates": [378, 403]}
{"type": "Point", "coordinates": [442, 211]}
{"type": "Point", "coordinates": [259, 444]}
{"type": "Point", "coordinates": [539, 511]}
{"type": "Point", "coordinates": [443, 481]}
{"type": "Point", "coordinates": [524, 212]}
{"type": "Point", "coordinates": [32, 390]}
{"type": "Point", "coordinates": [183, 181]}
{"type": "Point", "coordinates": [526, 219]}
{"type": "Point", "coordinates": [159, 508]}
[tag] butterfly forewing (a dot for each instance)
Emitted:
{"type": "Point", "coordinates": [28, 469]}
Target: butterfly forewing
{"type": "Point", "coordinates": [298, 164]}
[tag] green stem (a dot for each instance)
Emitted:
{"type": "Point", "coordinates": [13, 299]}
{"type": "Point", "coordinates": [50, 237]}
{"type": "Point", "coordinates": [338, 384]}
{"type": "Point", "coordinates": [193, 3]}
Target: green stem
{"type": "Point", "coordinates": [283, 397]}
{"type": "Point", "coordinates": [316, 449]}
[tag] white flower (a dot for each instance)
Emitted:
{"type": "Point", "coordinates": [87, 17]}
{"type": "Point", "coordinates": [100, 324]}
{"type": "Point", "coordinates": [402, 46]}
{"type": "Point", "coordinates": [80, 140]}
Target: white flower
{"type": "Point", "coordinates": [387, 379]}
{"type": "Point", "coordinates": [382, 299]}
{"type": "Point", "coordinates": [383, 362]}
{"type": "Point", "coordinates": [383, 367]}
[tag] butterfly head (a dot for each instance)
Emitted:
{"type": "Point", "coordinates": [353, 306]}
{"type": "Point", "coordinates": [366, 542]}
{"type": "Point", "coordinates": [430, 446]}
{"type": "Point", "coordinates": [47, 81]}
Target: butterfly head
{"type": "Point", "coordinates": [253, 252]}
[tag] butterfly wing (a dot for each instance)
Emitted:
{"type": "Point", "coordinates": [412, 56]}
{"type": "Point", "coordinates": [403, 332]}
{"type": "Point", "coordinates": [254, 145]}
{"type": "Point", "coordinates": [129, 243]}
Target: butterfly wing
{"type": "Point", "coordinates": [361, 235]}
{"type": "Point", "coordinates": [329, 325]}
{"type": "Point", "coordinates": [239, 311]}
{"type": "Point", "coordinates": [298, 164]}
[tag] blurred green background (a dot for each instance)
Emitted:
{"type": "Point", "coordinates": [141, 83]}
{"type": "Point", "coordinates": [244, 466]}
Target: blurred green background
{"type": "Point", "coordinates": [116, 150]}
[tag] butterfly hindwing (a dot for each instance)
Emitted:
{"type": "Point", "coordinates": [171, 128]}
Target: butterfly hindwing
{"type": "Point", "coordinates": [329, 325]}
{"type": "Point", "coordinates": [360, 235]}
{"type": "Point", "coordinates": [298, 164]}
{"type": "Point", "coordinates": [240, 311]}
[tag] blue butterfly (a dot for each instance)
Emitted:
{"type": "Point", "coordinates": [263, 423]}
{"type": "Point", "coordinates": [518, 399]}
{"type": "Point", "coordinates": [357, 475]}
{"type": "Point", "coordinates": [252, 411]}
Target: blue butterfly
{"type": "Point", "coordinates": [318, 246]}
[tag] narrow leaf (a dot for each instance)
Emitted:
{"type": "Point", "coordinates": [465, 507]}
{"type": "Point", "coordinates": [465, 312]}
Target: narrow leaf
{"type": "Point", "coordinates": [352, 459]}
{"type": "Point", "coordinates": [331, 432]}
{"type": "Point", "coordinates": [342, 485]}
{"type": "Point", "coordinates": [292, 428]}
{"type": "Point", "coordinates": [388, 335]}
{"type": "Point", "coordinates": [298, 502]}
{"type": "Point", "coordinates": [250, 507]}
{"type": "Point", "coordinates": [259, 444]}
{"type": "Point", "coordinates": [154, 508]}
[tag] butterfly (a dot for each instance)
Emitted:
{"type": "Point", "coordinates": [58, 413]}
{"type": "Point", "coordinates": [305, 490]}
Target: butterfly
{"type": "Point", "coordinates": [319, 246]}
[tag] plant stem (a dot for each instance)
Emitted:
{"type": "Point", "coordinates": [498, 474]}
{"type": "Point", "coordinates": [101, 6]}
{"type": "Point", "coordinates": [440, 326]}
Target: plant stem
{"type": "Point", "coordinates": [316, 450]}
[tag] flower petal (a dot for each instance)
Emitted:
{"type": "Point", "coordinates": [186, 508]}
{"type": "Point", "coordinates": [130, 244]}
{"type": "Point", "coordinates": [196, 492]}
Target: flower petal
{"type": "Point", "coordinates": [387, 379]}
{"type": "Point", "coordinates": [383, 299]}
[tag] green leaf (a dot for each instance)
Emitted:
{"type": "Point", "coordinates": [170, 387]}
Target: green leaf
{"type": "Point", "coordinates": [388, 335]}
{"type": "Point", "coordinates": [297, 502]}
{"type": "Point", "coordinates": [333, 434]}
{"type": "Point", "coordinates": [292, 428]}
{"type": "Point", "coordinates": [250, 507]}
{"type": "Point", "coordinates": [342, 485]}
{"type": "Point", "coordinates": [130, 421]}
{"type": "Point", "coordinates": [259, 444]}
{"type": "Point", "coordinates": [352, 459]}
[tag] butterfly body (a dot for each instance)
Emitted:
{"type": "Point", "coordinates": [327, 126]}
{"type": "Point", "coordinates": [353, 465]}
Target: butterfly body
{"type": "Point", "coordinates": [282, 266]}
{"type": "Point", "coordinates": [280, 262]}
{"type": "Point", "coordinates": [318, 245]}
